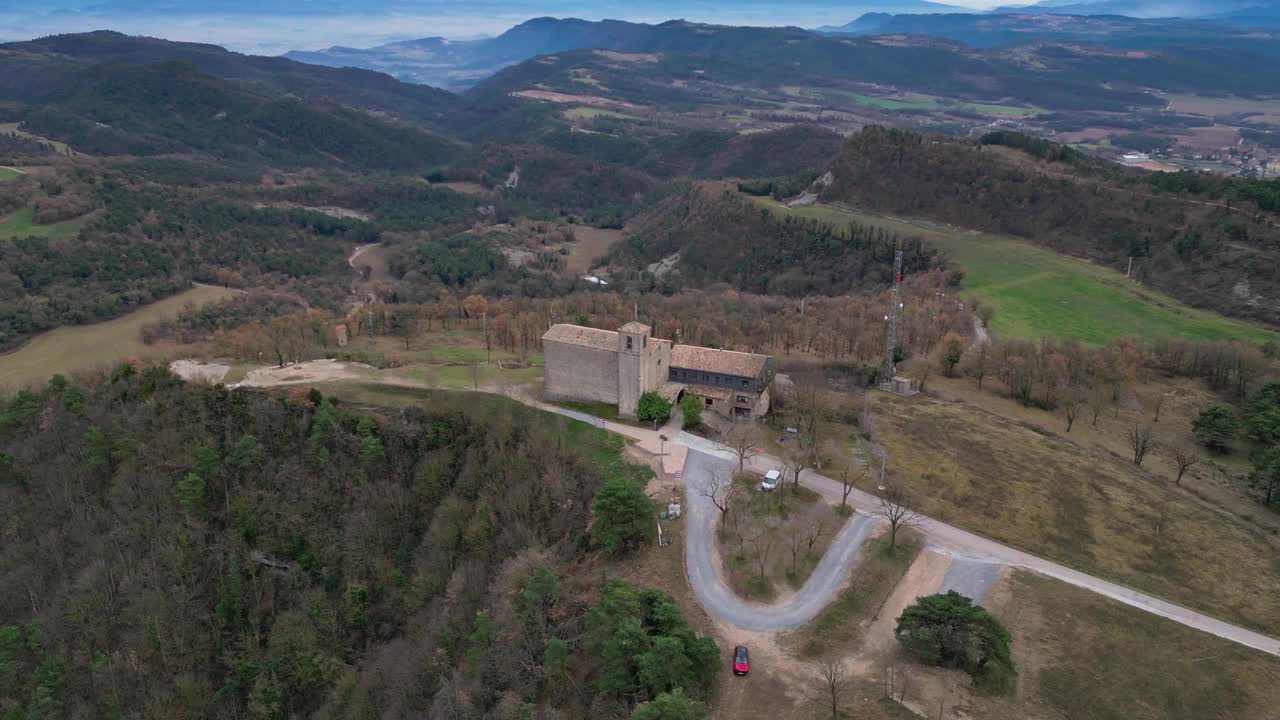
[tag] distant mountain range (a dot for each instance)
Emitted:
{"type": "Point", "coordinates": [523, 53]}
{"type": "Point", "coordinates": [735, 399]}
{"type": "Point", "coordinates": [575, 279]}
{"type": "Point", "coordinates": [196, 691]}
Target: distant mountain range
{"type": "Point", "coordinates": [458, 65]}
{"type": "Point", "coordinates": [1011, 29]}
{"type": "Point", "coordinates": [1136, 8]}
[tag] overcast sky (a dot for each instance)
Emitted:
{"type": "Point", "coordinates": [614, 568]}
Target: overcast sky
{"type": "Point", "coordinates": [236, 27]}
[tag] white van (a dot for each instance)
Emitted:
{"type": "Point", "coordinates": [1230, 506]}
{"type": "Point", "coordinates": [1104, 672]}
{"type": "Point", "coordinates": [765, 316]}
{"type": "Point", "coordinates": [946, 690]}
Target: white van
{"type": "Point", "coordinates": [772, 480]}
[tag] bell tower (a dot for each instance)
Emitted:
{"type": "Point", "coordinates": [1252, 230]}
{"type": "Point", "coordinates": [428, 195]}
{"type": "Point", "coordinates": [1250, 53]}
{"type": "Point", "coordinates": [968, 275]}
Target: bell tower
{"type": "Point", "coordinates": [633, 348]}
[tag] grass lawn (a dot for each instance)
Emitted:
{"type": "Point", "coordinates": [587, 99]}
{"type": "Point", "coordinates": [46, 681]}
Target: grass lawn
{"type": "Point", "coordinates": [1084, 507]}
{"type": "Point", "coordinates": [1037, 292]}
{"type": "Point", "coordinates": [840, 625]}
{"type": "Point", "coordinates": [19, 224]}
{"type": "Point", "coordinates": [1080, 655]}
{"type": "Point", "coordinates": [452, 359]}
{"type": "Point", "coordinates": [84, 347]}
{"type": "Point", "coordinates": [7, 174]}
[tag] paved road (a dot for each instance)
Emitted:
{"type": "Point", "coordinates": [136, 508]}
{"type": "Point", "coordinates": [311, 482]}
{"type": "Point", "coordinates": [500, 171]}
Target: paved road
{"type": "Point", "coordinates": [980, 334]}
{"type": "Point", "coordinates": [710, 588]}
{"type": "Point", "coordinates": [967, 546]}
{"type": "Point", "coordinates": [946, 538]}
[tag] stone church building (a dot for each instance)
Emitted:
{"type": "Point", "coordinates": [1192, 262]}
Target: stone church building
{"type": "Point", "coordinates": [592, 365]}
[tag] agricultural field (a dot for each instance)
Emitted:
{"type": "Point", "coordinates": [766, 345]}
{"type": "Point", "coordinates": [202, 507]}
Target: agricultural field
{"type": "Point", "coordinates": [589, 245]}
{"type": "Point", "coordinates": [1264, 111]}
{"type": "Point", "coordinates": [85, 347]}
{"type": "Point", "coordinates": [588, 113]}
{"type": "Point", "coordinates": [1037, 292]}
{"type": "Point", "coordinates": [907, 101]}
{"type": "Point", "coordinates": [19, 224]}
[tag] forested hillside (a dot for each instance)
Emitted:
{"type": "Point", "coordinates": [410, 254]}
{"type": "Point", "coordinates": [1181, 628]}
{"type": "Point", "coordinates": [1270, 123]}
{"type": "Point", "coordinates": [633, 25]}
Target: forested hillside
{"type": "Point", "coordinates": [711, 234]}
{"type": "Point", "coordinates": [47, 66]}
{"type": "Point", "coordinates": [147, 241]}
{"type": "Point", "coordinates": [1211, 243]}
{"type": "Point", "coordinates": [187, 552]}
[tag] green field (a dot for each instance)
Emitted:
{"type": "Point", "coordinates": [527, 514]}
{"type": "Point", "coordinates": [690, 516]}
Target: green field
{"type": "Point", "coordinates": [586, 113]}
{"type": "Point", "coordinates": [84, 347]}
{"type": "Point", "coordinates": [19, 224]}
{"type": "Point", "coordinates": [7, 174]}
{"type": "Point", "coordinates": [910, 101]}
{"type": "Point", "coordinates": [12, 128]}
{"type": "Point", "coordinates": [1037, 292]}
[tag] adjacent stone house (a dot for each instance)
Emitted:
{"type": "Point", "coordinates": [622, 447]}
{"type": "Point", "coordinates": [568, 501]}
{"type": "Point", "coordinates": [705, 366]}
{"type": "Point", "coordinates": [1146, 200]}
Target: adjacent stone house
{"type": "Point", "coordinates": [592, 365]}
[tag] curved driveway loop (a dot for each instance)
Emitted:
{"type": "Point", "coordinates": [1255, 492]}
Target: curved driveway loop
{"type": "Point", "coordinates": [720, 601]}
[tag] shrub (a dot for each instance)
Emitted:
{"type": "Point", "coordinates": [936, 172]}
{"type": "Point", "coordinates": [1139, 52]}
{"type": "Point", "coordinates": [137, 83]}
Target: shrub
{"type": "Point", "coordinates": [691, 409]}
{"type": "Point", "coordinates": [652, 408]}
{"type": "Point", "coordinates": [948, 630]}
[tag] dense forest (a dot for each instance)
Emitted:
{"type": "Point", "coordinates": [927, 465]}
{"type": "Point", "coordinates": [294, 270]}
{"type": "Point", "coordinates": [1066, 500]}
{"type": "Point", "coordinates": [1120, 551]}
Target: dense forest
{"type": "Point", "coordinates": [179, 552]}
{"type": "Point", "coordinates": [721, 237]}
{"type": "Point", "coordinates": [1210, 243]}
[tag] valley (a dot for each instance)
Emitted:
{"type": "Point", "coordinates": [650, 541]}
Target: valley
{"type": "Point", "coordinates": [284, 431]}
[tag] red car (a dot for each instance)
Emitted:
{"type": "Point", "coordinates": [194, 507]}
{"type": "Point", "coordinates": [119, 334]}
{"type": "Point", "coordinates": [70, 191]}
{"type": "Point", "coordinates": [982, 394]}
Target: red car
{"type": "Point", "coordinates": [741, 661]}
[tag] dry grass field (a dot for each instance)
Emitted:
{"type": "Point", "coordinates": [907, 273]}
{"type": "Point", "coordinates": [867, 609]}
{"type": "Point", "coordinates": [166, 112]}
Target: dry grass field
{"type": "Point", "coordinates": [85, 347]}
{"type": "Point", "coordinates": [1080, 655]}
{"type": "Point", "coordinates": [1083, 506]}
{"type": "Point", "coordinates": [590, 245]}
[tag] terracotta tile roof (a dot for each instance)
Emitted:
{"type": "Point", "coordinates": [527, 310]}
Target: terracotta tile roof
{"type": "Point", "coordinates": [582, 336]}
{"type": "Point", "coordinates": [669, 390]}
{"type": "Point", "coordinates": [635, 327]}
{"type": "Point", "coordinates": [715, 393]}
{"type": "Point", "coordinates": [725, 362]}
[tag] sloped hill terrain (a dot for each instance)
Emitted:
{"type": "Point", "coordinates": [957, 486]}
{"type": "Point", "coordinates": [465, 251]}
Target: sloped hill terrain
{"type": "Point", "coordinates": [1211, 243]}
{"type": "Point", "coordinates": [710, 234]}
{"type": "Point", "coordinates": [51, 61]}
{"type": "Point", "coordinates": [108, 94]}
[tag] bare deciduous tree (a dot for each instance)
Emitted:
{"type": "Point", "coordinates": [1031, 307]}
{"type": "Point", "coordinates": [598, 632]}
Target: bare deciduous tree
{"type": "Point", "coordinates": [847, 484]}
{"type": "Point", "coordinates": [796, 461]}
{"type": "Point", "coordinates": [1099, 396]}
{"type": "Point", "coordinates": [831, 688]}
{"type": "Point", "coordinates": [979, 361]}
{"type": "Point", "coordinates": [1071, 405]}
{"type": "Point", "coordinates": [894, 509]}
{"type": "Point", "coordinates": [813, 532]}
{"type": "Point", "coordinates": [1183, 458]}
{"type": "Point", "coordinates": [1139, 442]}
{"type": "Point", "coordinates": [1158, 403]}
{"type": "Point", "coordinates": [762, 544]}
{"type": "Point", "coordinates": [744, 440]}
{"type": "Point", "coordinates": [718, 487]}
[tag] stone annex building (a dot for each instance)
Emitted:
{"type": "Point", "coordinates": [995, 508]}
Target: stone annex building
{"type": "Point", "coordinates": [592, 365]}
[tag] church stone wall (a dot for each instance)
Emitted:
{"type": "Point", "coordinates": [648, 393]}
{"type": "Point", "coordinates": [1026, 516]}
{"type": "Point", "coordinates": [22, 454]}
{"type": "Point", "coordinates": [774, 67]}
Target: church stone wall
{"type": "Point", "coordinates": [572, 372]}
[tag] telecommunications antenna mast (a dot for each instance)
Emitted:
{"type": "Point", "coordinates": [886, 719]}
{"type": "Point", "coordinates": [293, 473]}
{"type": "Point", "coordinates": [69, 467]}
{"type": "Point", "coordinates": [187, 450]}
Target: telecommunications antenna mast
{"type": "Point", "coordinates": [888, 370]}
